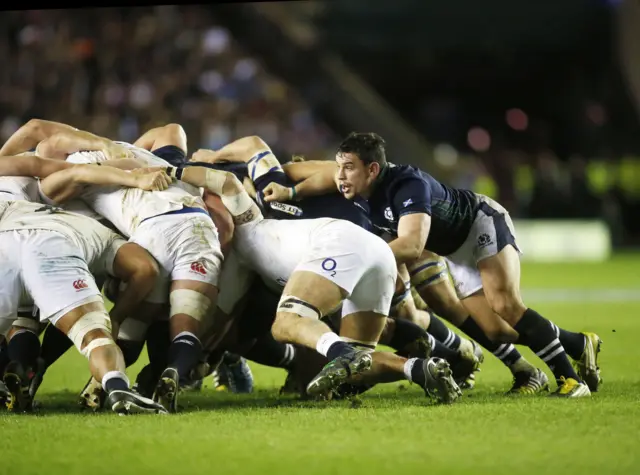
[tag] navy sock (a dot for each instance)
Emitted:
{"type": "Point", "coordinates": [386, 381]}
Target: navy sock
{"type": "Point", "coordinates": [443, 334]}
{"type": "Point", "coordinates": [24, 348]}
{"type": "Point", "coordinates": [184, 353]}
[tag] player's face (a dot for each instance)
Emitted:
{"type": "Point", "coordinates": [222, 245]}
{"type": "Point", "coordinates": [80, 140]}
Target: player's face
{"type": "Point", "coordinates": [353, 176]}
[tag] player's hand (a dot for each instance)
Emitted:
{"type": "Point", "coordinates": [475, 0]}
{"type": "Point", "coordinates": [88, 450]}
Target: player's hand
{"type": "Point", "coordinates": [154, 181]}
{"type": "Point", "coordinates": [276, 192]}
{"type": "Point", "coordinates": [207, 156]}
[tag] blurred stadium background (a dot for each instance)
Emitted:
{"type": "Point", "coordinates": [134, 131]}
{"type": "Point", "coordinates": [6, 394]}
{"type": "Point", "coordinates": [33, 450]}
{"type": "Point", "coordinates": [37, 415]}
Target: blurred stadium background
{"type": "Point", "coordinates": [534, 103]}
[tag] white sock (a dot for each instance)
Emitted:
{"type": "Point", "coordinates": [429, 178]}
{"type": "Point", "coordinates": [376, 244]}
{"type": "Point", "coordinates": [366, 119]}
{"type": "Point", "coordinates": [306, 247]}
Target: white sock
{"type": "Point", "coordinates": [114, 374]}
{"type": "Point", "coordinates": [325, 342]}
{"type": "Point", "coordinates": [408, 366]}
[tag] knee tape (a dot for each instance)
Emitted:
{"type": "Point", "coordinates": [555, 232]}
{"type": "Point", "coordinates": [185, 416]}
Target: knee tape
{"type": "Point", "coordinates": [291, 304]}
{"type": "Point", "coordinates": [189, 302]}
{"type": "Point", "coordinates": [28, 323]}
{"type": "Point", "coordinates": [262, 163]}
{"type": "Point", "coordinates": [398, 297]}
{"type": "Point", "coordinates": [87, 323]}
{"type": "Point", "coordinates": [133, 330]}
{"type": "Point", "coordinates": [97, 343]}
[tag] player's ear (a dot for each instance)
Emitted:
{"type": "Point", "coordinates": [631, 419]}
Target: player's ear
{"type": "Point", "coordinates": [374, 169]}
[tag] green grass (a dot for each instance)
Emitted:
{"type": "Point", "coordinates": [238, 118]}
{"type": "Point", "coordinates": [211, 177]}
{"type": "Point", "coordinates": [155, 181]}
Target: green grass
{"type": "Point", "coordinates": [395, 429]}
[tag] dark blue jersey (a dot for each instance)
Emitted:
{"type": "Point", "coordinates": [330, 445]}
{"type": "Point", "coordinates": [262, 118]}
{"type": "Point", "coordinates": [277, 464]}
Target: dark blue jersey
{"type": "Point", "coordinates": [332, 205]}
{"type": "Point", "coordinates": [402, 190]}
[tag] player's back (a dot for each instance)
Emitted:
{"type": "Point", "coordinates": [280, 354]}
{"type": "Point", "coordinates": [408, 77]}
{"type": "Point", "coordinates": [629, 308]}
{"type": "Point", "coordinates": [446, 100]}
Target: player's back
{"type": "Point", "coordinates": [273, 247]}
{"type": "Point", "coordinates": [90, 236]}
{"type": "Point", "coordinates": [18, 188]}
{"type": "Point", "coordinates": [126, 208]}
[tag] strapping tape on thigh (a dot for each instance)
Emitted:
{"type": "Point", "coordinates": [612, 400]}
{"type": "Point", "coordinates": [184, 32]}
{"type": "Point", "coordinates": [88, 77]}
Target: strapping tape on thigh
{"type": "Point", "coordinates": [428, 272]}
{"type": "Point", "coordinates": [88, 322]}
{"type": "Point", "coordinates": [262, 163]}
{"type": "Point", "coordinates": [291, 304]}
{"type": "Point", "coordinates": [28, 323]}
{"type": "Point", "coordinates": [189, 302]}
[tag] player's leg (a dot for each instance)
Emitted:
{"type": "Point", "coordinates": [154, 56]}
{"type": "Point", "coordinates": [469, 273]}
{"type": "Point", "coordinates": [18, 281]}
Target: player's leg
{"type": "Point", "coordinates": [63, 289]}
{"type": "Point", "coordinates": [498, 262]}
{"type": "Point", "coordinates": [459, 352]}
{"type": "Point", "coordinates": [168, 142]}
{"type": "Point", "coordinates": [432, 281]}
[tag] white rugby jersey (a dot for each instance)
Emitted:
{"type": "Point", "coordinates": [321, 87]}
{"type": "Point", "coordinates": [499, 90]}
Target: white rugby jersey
{"type": "Point", "coordinates": [126, 208]}
{"type": "Point", "coordinates": [18, 188]}
{"type": "Point", "coordinates": [98, 244]}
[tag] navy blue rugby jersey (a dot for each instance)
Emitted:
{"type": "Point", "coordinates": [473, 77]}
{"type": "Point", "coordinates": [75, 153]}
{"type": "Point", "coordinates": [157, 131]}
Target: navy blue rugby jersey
{"type": "Point", "coordinates": [402, 190]}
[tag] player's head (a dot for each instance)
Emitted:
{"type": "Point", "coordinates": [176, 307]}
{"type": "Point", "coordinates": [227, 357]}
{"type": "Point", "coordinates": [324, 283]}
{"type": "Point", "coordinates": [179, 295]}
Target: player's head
{"type": "Point", "coordinates": [360, 158]}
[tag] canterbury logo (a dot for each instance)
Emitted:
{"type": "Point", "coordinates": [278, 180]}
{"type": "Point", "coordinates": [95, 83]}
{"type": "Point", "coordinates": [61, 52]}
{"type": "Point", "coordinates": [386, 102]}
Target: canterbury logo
{"type": "Point", "coordinates": [80, 284]}
{"type": "Point", "coordinates": [199, 268]}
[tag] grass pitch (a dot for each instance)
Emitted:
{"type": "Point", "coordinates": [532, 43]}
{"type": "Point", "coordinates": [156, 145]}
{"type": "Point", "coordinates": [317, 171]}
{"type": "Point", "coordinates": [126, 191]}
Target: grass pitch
{"type": "Point", "coordinates": [395, 429]}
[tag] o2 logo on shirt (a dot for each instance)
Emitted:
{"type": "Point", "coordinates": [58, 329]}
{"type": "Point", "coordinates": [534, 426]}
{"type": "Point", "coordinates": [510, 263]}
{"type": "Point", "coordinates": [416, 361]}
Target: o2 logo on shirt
{"type": "Point", "coordinates": [388, 213]}
{"type": "Point", "coordinates": [329, 265]}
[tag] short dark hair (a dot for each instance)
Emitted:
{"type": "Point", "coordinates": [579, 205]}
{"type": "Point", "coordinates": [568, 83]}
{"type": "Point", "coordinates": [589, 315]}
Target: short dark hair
{"type": "Point", "coordinates": [368, 146]}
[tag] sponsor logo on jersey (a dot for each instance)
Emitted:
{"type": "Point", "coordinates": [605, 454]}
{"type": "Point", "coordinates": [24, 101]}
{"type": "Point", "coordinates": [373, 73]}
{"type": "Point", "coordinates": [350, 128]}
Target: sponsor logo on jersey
{"type": "Point", "coordinates": [285, 208]}
{"type": "Point", "coordinates": [80, 284]}
{"type": "Point", "coordinates": [388, 213]}
{"type": "Point", "coordinates": [198, 268]}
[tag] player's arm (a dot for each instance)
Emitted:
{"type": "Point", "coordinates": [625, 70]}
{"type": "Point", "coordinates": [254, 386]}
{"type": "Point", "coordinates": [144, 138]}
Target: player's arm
{"type": "Point", "coordinates": [222, 219]}
{"type": "Point", "coordinates": [224, 184]}
{"type": "Point", "coordinates": [319, 183]}
{"type": "Point", "coordinates": [31, 134]}
{"type": "Point", "coordinates": [68, 183]}
{"type": "Point", "coordinates": [139, 270]}
{"type": "Point", "coordinates": [64, 143]}
{"type": "Point", "coordinates": [299, 171]}
{"type": "Point", "coordinates": [240, 151]}
{"type": "Point", "coordinates": [412, 202]}
{"type": "Point", "coordinates": [30, 165]}
{"type": "Point", "coordinates": [413, 230]}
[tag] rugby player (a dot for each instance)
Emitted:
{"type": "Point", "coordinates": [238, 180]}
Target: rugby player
{"type": "Point", "coordinates": [176, 229]}
{"type": "Point", "coordinates": [323, 263]}
{"type": "Point", "coordinates": [51, 253]}
{"type": "Point", "coordinates": [428, 273]}
{"type": "Point", "coordinates": [252, 150]}
{"type": "Point", "coordinates": [474, 233]}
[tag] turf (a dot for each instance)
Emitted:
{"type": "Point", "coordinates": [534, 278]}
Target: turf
{"type": "Point", "coordinates": [394, 428]}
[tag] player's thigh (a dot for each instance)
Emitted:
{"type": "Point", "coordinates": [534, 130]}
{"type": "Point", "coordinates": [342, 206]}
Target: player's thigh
{"type": "Point", "coordinates": [56, 274]}
{"type": "Point", "coordinates": [10, 281]}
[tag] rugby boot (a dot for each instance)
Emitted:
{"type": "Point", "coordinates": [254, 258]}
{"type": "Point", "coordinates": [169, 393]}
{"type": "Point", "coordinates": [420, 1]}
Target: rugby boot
{"type": "Point", "coordinates": [38, 377]}
{"type": "Point", "coordinates": [128, 402]}
{"type": "Point", "coordinates": [587, 366]}
{"type": "Point", "coordinates": [525, 382]}
{"type": "Point", "coordinates": [465, 366]}
{"type": "Point", "coordinates": [470, 382]}
{"type": "Point", "coordinates": [439, 382]}
{"type": "Point", "coordinates": [5, 394]}
{"type": "Point", "coordinates": [337, 371]}
{"type": "Point", "coordinates": [146, 382]}
{"type": "Point", "coordinates": [166, 393]}
{"type": "Point", "coordinates": [17, 381]}
{"type": "Point", "coordinates": [239, 376]}
{"type": "Point", "coordinates": [92, 396]}
{"type": "Point", "coordinates": [570, 388]}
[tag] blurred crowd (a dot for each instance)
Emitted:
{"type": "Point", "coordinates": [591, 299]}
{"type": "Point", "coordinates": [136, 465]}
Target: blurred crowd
{"type": "Point", "coordinates": [120, 71]}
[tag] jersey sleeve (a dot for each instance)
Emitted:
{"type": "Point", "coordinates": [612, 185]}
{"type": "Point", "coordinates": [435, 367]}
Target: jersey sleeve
{"type": "Point", "coordinates": [411, 196]}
